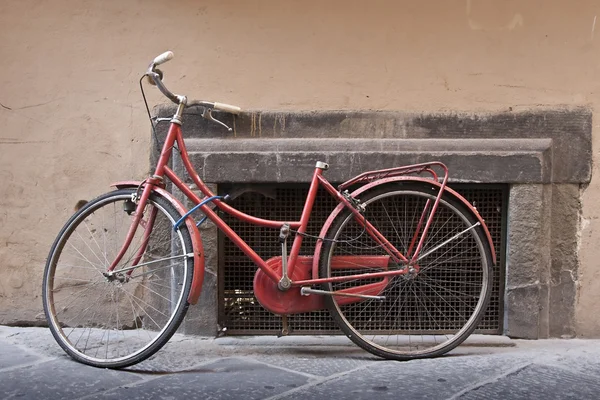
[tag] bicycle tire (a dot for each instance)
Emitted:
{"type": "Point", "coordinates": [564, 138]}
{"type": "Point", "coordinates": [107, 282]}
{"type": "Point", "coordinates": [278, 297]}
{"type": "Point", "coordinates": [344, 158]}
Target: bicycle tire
{"type": "Point", "coordinates": [121, 321]}
{"type": "Point", "coordinates": [425, 314]}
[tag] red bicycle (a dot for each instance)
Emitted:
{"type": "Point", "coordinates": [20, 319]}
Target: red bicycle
{"type": "Point", "coordinates": [400, 246]}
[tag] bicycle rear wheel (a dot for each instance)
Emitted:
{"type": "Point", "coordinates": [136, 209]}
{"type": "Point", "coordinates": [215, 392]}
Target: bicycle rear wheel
{"type": "Point", "coordinates": [114, 322]}
{"type": "Point", "coordinates": [426, 313]}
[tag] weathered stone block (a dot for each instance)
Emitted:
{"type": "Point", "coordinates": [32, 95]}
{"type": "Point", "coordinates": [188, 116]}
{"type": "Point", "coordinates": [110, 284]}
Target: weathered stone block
{"type": "Point", "coordinates": [565, 260]}
{"type": "Point", "coordinates": [528, 235]}
{"type": "Point", "coordinates": [524, 306]}
{"type": "Point", "coordinates": [563, 295]}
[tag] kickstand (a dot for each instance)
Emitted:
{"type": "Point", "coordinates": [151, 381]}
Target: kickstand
{"type": "Point", "coordinates": [284, 326]}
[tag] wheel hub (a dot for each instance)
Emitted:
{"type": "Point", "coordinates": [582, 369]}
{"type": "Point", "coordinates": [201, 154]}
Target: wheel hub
{"type": "Point", "coordinates": [122, 278]}
{"type": "Point", "coordinates": [411, 270]}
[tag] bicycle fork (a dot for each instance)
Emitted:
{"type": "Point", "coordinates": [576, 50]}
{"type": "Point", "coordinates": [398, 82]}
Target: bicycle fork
{"type": "Point", "coordinates": [148, 226]}
{"type": "Point", "coordinates": [137, 218]}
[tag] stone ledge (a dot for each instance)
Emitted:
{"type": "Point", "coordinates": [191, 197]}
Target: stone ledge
{"type": "Point", "coordinates": [569, 129]}
{"type": "Point", "coordinates": [474, 340]}
{"type": "Point", "coordinates": [293, 160]}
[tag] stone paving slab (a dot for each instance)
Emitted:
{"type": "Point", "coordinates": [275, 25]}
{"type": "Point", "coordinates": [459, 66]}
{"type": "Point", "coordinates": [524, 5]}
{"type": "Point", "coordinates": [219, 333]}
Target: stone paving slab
{"type": "Point", "coordinates": [59, 379]}
{"type": "Point", "coordinates": [309, 367]}
{"type": "Point", "coordinates": [225, 379]}
{"type": "Point", "coordinates": [588, 364]}
{"type": "Point", "coordinates": [538, 382]}
{"type": "Point", "coordinates": [38, 340]}
{"type": "Point", "coordinates": [317, 361]}
{"type": "Point", "coordinates": [419, 379]}
{"type": "Point", "coordinates": [11, 355]}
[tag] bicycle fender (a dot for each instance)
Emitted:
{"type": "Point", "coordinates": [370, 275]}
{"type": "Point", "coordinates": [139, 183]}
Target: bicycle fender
{"type": "Point", "coordinates": [194, 233]}
{"type": "Point", "coordinates": [362, 189]}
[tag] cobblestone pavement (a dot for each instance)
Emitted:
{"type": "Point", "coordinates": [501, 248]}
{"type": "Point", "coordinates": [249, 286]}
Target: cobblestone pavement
{"type": "Point", "coordinates": [33, 366]}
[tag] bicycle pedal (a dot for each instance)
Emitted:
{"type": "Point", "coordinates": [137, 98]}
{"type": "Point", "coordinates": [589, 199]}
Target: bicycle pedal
{"type": "Point", "coordinates": [285, 327]}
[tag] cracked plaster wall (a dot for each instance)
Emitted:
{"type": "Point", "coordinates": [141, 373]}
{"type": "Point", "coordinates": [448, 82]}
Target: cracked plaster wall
{"type": "Point", "coordinates": [73, 120]}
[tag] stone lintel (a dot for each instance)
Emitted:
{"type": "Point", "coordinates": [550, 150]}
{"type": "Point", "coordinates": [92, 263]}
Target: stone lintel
{"type": "Point", "coordinates": [293, 160]}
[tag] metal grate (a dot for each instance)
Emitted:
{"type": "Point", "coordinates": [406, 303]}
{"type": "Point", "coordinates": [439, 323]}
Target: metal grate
{"type": "Point", "coordinates": [241, 313]}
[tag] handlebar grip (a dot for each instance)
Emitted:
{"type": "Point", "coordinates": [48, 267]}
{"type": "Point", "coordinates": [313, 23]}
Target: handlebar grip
{"type": "Point", "coordinates": [163, 58]}
{"type": "Point", "coordinates": [227, 108]}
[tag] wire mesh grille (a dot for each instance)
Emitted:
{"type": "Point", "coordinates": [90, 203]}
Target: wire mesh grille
{"type": "Point", "coordinates": [240, 312]}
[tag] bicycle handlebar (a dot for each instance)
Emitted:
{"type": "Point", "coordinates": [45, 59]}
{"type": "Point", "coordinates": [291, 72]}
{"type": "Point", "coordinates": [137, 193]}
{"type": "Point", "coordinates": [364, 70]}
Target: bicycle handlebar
{"type": "Point", "coordinates": [161, 86]}
{"type": "Point", "coordinates": [217, 106]}
{"type": "Point", "coordinates": [227, 108]}
{"type": "Point", "coordinates": [179, 99]}
{"type": "Point", "coordinates": [163, 58]}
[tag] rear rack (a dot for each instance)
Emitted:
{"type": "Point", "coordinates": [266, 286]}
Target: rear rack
{"type": "Point", "coordinates": [371, 176]}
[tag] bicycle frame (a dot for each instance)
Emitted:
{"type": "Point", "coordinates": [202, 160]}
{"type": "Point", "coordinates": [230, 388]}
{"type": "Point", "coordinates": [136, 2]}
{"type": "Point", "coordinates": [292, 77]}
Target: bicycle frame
{"type": "Point", "coordinates": [162, 171]}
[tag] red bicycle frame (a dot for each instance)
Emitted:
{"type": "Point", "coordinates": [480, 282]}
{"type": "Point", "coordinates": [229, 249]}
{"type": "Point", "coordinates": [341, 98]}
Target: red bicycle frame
{"type": "Point", "coordinates": [156, 182]}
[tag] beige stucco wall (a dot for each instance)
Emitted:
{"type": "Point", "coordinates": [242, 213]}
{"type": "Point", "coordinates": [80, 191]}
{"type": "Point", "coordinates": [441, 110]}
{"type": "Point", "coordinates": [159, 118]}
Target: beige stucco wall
{"type": "Point", "coordinates": [72, 119]}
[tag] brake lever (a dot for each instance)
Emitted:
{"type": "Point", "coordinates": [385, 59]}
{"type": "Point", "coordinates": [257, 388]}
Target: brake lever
{"type": "Point", "coordinates": [207, 114]}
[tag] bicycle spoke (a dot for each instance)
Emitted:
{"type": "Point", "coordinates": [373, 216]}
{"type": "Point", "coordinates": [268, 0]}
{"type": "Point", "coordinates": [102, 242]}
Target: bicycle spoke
{"type": "Point", "coordinates": [84, 258]}
{"type": "Point", "coordinates": [404, 246]}
{"type": "Point", "coordinates": [78, 295]}
{"type": "Point", "coordinates": [134, 299]}
{"type": "Point", "coordinates": [88, 246]}
{"type": "Point", "coordinates": [155, 292]}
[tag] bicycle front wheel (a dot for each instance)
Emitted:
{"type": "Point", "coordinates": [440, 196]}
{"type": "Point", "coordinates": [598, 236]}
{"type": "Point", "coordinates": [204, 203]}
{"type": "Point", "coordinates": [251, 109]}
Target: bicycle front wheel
{"type": "Point", "coordinates": [429, 311]}
{"type": "Point", "coordinates": [116, 321]}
